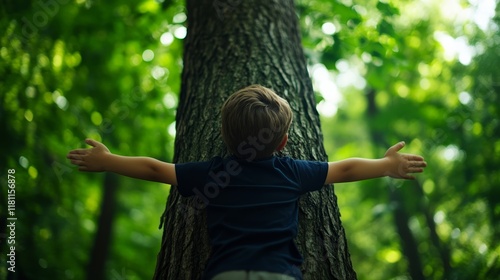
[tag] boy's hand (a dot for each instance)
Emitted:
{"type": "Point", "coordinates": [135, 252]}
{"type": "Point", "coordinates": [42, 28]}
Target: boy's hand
{"type": "Point", "coordinates": [92, 159]}
{"type": "Point", "coordinates": [401, 165]}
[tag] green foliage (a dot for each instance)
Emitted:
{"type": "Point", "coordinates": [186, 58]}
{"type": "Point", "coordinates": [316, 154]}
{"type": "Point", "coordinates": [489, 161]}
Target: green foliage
{"type": "Point", "coordinates": [110, 70]}
{"type": "Point", "coordinates": [419, 89]}
{"type": "Point", "coordinates": [77, 70]}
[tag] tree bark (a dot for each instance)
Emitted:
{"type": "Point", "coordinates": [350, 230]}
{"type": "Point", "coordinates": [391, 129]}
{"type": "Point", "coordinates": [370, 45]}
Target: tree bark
{"type": "Point", "coordinates": [230, 45]}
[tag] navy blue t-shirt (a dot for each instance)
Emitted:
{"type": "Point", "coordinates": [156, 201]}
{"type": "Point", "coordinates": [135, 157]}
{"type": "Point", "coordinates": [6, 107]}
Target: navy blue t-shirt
{"type": "Point", "coordinates": [252, 209]}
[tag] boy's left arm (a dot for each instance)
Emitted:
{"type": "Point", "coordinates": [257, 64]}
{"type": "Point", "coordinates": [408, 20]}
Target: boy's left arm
{"type": "Point", "coordinates": [393, 164]}
{"type": "Point", "coordinates": [99, 159]}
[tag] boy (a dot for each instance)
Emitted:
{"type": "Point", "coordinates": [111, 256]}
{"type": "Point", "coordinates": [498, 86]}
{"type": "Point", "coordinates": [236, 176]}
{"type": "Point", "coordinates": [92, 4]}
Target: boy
{"type": "Point", "coordinates": [252, 195]}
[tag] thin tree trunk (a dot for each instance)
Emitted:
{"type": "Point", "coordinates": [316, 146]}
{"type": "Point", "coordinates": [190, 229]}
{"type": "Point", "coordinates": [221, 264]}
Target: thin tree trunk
{"type": "Point", "coordinates": [102, 240]}
{"type": "Point", "coordinates": [408, 242]}
{"type": "Point", "coordinates": [442, 247]}
{"type": "Point", "coordinates": [230, 45]}
{"type": "Point", "coordinates": [401, 218]}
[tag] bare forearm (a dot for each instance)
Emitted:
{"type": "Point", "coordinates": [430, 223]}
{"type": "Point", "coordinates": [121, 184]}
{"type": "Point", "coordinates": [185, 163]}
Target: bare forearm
{"type": "Point", "coordinates": [393, 164]}
{"type": "Point", "coordinates": [143, 168]}
{"type": "Point", "coordinates": [99, 158]}
{"type": "Point", "coordinates": [357, 169]}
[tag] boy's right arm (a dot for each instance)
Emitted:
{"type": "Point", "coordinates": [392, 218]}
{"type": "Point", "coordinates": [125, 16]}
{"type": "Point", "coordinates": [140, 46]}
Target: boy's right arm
{"type": "Point", "coordinates": [99, 158]}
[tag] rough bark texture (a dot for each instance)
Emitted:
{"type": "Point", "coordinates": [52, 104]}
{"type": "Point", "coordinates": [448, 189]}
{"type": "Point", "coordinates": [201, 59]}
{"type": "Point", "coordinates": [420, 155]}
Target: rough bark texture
{"type": "Point", "coordinates": [229, 45]}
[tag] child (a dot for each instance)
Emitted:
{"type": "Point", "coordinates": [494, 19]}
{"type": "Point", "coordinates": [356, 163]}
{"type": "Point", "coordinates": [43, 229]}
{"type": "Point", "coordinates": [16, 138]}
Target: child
{"type": "Point", "coordinates": [252, 195]}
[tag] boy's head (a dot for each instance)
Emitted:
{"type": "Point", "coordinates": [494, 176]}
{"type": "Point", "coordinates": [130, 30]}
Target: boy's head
{"type": "Point", "coordinates": [255, 122]}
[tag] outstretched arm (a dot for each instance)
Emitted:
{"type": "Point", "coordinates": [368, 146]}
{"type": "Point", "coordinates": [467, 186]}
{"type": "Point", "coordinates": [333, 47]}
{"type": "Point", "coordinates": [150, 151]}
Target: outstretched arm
{"type": "Point", "coordinates": [393, 164]}
{"type": "Point", "coordinates": [99, 158]}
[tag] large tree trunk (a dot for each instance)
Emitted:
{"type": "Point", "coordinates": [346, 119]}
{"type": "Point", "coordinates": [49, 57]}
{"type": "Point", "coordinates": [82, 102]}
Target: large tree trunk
{"type": "Point", "coordinates": [229, 45]}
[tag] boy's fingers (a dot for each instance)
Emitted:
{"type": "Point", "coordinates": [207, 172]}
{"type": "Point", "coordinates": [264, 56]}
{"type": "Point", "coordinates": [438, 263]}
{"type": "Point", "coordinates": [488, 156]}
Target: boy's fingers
{"type": "Point", "coordinates": [76, 159]}
{"type": "Point", "coordinates": [78, 152]}
{"type": "Point", "coordinates": [417, 164]}
{"type": "Point", "coordinates": [76, 156]}
{"type": "Point", "coordinates": [415, 157]}
{"type": "Point", "coordinates": [397, 147]}
{"type": "Point", "coordinates": [82, 168]}
{"type": "Point", "coordinates": [91, 142]}
{"type": "Point", "coordinates": [415, 170]}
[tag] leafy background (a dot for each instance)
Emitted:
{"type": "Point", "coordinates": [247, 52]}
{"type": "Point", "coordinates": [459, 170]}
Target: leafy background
{"type": "Point", "coordinates": [421, 71]}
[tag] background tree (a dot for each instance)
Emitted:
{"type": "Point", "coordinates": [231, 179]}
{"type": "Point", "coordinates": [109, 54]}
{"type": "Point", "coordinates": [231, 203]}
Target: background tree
{"type": "Point", "coordinates": [230, 45]}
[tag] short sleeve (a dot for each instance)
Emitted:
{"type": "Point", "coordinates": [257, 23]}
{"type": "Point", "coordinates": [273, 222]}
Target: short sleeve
{"type": "Point", "coordinates": [193, 175]}
{"type": "Point", "coordinates": [311, 174]}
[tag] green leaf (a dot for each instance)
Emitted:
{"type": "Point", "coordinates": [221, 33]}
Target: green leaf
{"type": "Point", "coordinates": [387, 9]}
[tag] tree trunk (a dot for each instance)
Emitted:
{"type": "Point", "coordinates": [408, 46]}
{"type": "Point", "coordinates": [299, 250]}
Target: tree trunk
{"type": "Point", "coordinates": [408, 242]}
{"type": "Point", "coordinates": [441, 246]}
{"type": "Point", "coordinates": [102, 240]}
{"type": "Point", "coordinates": [230, 45]}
